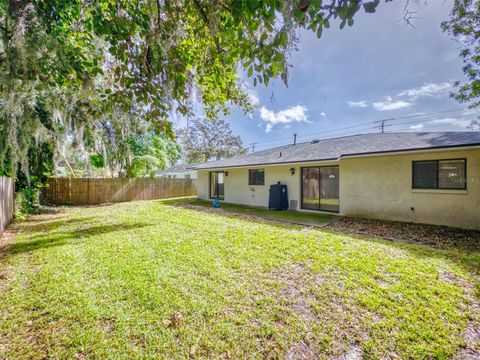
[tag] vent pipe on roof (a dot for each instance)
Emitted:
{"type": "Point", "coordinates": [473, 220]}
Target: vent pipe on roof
{"type": "Point", "coordinates": [315, 141]}
{"type": "Point", "coordinates": [294, 139]}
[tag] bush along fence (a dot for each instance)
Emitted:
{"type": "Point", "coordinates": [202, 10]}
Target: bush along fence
{"type": "Point", "coordinates": [83, 191]}
{"type": "Point", "coordinates": [7, 199]}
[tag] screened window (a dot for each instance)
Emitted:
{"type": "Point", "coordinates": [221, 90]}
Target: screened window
{"type": "Point", "coordinates": [256, 177]}
{"type": "Point", "coordinates": [439, 174]}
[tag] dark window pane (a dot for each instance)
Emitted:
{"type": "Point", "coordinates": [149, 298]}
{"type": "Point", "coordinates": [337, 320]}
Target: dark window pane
{"type": "Point", "coordinates": [425, 174]}
{"type": "Point", "coordinates": [256, 177]}
{"type": "Point", "coordinates": [311, 188]}
{"type": "Point", "coordinates": [451, 174]}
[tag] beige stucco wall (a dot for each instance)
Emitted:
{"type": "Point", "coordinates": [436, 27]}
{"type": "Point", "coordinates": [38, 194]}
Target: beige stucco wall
{"type": "Point", "coordinates": [238, 191]}
{"type": "Point", "coordinates": [381, 187]}
{"type": "Point", "coordinates": [372, 186]}
{"type": "Point", "coordinates": [202, 184]}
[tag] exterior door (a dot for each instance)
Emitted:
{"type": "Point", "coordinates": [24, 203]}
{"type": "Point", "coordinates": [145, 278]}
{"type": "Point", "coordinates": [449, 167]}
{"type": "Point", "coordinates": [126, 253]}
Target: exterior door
{"type": "Point", "coordinates": [320, 188]}
{"type": "Point", "coordinates": [217, 185]}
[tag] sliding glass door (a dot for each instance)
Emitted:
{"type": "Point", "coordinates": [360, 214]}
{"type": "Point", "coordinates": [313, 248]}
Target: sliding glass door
{"type": "Point", "coordinates": [311, 188]}
{"type": "Point", "coordinates": [217, 185]}
{"type": "Point", "coordinates": [320, 188]}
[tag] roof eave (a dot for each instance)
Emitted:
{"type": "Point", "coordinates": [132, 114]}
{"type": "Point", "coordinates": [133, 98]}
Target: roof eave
{"type": "Point", "coordinates": [364, 154]}
{"type": "Point", "coordinates": [415, 150]}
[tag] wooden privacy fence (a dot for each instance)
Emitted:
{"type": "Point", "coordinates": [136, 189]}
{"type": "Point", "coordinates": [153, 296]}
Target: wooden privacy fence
{"type": "Point", "coordinates": [7, 198]}
{"type": "Point", "coordinates": [83, 191]}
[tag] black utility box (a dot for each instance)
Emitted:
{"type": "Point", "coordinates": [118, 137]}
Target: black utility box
{"type": "Point", "coordinates": [278, 197]}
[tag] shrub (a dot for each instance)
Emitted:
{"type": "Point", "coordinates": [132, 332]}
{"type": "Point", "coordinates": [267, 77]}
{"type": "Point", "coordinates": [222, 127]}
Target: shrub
{"type": "Point", "coordinates": [27, 201]}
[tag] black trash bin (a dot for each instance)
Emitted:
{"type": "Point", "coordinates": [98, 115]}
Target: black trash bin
{"type": "Point", "coordinates": [278, 197]}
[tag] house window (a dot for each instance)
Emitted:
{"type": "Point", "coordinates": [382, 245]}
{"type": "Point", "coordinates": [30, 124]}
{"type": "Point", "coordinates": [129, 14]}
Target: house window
{"type": "Point", "coordinates": [439, 174]}
{"type": "Point", "coordinates": [256, 177]}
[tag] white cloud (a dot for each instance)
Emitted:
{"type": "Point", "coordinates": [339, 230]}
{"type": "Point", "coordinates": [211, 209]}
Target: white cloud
{"type": "Point", "coordinates": [251, 93]}
{"type": "Point", "coordinates": [417, 114]}
{"type": "Point", "coordinates": [322, 114]}
{"type": "Point", "coordinates": [390, 105]}
{"type": "Point", "coordinates": [361, 103]}
{"type": "Point", "coordinates": [469, 112]}
{"type": "Point", "coordinates": [417, 127]}
{"type": "Point", "coordinates": [427, 89]}
{"type": "Point", "coordinates": [253, 97]}
{"type": "Point", "coordinates": [451, 121]}
{"type": "Point", "coordinates": [443, 121]}
{"type": "Point", "coordinates": [297, 113]}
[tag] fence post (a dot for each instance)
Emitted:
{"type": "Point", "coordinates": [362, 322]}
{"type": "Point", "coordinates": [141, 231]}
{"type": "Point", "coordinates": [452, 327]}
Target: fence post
{"type": "Point", "coordinates": [7, 195]}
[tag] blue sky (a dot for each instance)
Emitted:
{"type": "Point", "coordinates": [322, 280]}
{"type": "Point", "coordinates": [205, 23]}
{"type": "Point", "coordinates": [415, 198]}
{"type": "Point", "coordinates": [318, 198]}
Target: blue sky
{"type": "Point", "coordinates": [377, 69]}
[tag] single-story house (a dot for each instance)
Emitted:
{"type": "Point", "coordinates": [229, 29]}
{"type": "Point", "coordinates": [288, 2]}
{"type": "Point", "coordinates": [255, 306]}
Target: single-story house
{"type": "Point", "coordinates": [179, 171]}
{"type": "Point", "coordinates": [424, 177]}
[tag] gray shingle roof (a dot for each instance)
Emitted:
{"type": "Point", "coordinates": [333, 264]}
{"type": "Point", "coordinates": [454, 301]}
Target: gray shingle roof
{"type": "Point", "coordinates": [334, 149]}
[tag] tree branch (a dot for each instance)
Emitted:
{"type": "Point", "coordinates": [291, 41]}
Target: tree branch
{"type": "Point", "coordinates": [201, 11]}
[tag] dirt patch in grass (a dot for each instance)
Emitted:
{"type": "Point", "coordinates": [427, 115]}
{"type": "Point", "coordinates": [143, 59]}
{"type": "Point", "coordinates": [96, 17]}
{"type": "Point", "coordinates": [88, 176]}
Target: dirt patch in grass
{"type": "Point", "coordinates": [300, 290]}
{"type": "Point", "coordinates": [106, 325]}
{"type": "Point", "coordinates": [354, 353]}
{"type": "Point", "coordinates": [6, 240]}
{"type": "Point", "coordinates": [433, 235]}
{"type": "Point", "coordinates": [300, 350]}
{"type": "Point", "coordinates": [296, 283]}
{"type": "Point", "coordinates": [471, 350]}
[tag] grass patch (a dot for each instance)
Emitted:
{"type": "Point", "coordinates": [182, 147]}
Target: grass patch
{"type": "Point", "coordinates": [316, 219]}
{"type": "Point", "coordinates": [476, 290]}
{"type": "Point", "coordinates": [149, 279]}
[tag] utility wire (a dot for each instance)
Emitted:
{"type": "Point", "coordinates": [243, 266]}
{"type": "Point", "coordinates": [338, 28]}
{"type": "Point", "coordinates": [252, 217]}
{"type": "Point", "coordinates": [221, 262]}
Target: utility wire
{"type": "Point", "coordinates": [366, 126]}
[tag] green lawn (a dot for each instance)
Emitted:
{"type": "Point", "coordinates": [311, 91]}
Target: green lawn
{"type": "Point", "coordinates": [155, 279]}
{"type": "Point", "coordinates": [307, 218]}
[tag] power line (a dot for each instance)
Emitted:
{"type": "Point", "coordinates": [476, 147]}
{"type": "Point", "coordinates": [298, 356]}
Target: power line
{"type": "Point", "coordinates": [427, 127]}
{"type": "Point", "coordinates": [415, 121]}
{"type": "Point", "coordinates": [388, 119]}
{"type": "Point", "coordinates": [366, 128]}
{"type": "Point", "coordinates": [368, 125]}
{"type": "Point", "coordinates": [382, 126]}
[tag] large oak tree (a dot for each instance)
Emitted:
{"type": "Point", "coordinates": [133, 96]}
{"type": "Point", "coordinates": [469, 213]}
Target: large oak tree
{"type": "Point", "coordinates": [208, 139]}
{"type": "Point", "coordinates": [66, 65]}
{"type": "Point", "coordinates": [80, 61]}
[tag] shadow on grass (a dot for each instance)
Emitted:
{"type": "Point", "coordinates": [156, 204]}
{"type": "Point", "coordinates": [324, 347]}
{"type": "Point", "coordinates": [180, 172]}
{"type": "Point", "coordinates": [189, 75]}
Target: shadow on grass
{"type": "Point", "coordinates": [468, 259]}
{"type": "Point", "coordinates": [35, 224]}
{"type": "Point", "coordinates": [463, 255]}
{"type": "Point", "coordinates": [226, 209]}
{"type": "Point", "coordinates": [70, 237]}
